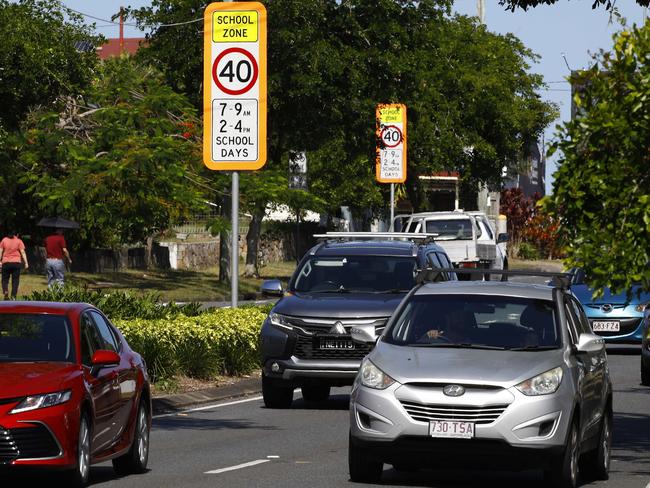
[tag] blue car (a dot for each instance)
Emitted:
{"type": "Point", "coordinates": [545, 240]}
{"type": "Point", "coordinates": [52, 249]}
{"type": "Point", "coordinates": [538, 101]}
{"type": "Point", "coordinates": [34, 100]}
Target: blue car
{"type": "Point", "coordinates": [615, 317]}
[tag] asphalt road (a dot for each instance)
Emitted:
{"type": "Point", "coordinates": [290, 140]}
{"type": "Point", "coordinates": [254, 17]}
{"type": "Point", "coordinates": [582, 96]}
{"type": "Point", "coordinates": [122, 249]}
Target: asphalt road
{"type": "Point", "coordinates": [247, 445]}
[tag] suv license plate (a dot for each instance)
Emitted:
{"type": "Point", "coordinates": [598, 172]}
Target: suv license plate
{"type": "Point", "coordinates": [606, 326]}
{"type": "Point", "coordinates": [344, 344]}
{"type": "Point", "coordinates": [451, 428]}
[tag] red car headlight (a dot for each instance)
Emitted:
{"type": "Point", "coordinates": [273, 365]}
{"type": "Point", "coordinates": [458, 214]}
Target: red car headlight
{"type": "Point", "coordinates": [34, 402]}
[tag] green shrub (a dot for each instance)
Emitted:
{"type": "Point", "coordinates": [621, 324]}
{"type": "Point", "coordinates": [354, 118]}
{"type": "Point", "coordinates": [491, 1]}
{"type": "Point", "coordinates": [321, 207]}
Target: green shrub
{"type": "Point", "coordinates": [221, 341]}
{"type": "Point", "coordinates": [117, 304]}
{"type": "Point", "coordinates": [528, 251]}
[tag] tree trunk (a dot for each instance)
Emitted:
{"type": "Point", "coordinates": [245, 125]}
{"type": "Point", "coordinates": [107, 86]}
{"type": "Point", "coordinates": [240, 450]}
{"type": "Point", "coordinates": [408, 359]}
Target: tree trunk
{"type": "Point", "coordinates": [252, 244]}
{"type": "Point", "coordinates": [224, 243]}
{"type": "Point", "coordinates": [148, 253]}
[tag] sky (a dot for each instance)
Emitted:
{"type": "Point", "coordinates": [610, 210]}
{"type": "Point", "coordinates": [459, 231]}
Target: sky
{"type": "Point", "coordinates": [564, 35]}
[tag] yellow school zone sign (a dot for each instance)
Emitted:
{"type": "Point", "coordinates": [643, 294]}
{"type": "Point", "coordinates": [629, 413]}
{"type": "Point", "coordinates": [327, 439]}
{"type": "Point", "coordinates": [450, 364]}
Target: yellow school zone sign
{"type": "Point", "coordinates": [234, 86]}
{"type": "Point", "coordinates": [390, 165]}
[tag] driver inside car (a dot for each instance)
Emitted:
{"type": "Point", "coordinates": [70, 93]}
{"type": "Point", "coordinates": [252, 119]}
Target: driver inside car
{"type": "Point", "coordinates": [456, 328]}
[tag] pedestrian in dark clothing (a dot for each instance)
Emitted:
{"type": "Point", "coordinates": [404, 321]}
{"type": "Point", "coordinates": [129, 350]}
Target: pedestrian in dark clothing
{"type": "Point", "coordinates": [12, 254]}
{"type": "Point", "coordinates": [56, 249]}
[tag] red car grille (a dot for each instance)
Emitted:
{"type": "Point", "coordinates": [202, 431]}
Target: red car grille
{"type": "Point", "coordinates": [33, 442]}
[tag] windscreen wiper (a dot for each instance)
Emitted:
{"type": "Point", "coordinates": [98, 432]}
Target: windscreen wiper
{"type": "Point", "coordinates": [459, 346]}
{"type": "Point", "coordinates": [532, 348]}
{"type": "Point", "coordinates": [393, 290]}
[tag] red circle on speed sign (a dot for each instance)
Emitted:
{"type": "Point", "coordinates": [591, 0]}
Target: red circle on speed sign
{"type": "Point", "coordinates": [391, 136]}
{"type": "Point", "coordinates": [251, 73]}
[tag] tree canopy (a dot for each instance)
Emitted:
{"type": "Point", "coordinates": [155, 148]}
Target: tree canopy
{"type": "Point", "coordinates": [330, 64]}
{"type": "Point", "coordinates": [525, 4]}
{"type": "Point", "coordinates": [116, 157]}
{"type": "Point", "coordinates": [601, 192]}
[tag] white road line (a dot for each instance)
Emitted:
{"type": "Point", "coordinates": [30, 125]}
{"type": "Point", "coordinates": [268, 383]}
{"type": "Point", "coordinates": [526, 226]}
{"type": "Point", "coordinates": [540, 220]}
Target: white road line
{"type": "Point", "coordinates": [207, 407]}
{"type": "Point", "coordinates": [239, 466]}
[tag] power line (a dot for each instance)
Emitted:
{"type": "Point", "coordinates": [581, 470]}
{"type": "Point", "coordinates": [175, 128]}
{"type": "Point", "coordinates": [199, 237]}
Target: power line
{"type": "Point", "coordinates": [130, 24]}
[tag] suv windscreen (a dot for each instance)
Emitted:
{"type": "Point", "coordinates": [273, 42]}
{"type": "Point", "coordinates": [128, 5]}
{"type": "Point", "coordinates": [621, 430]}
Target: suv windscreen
{"type": "Point", "coordinates": [450, 229]}
{"type": "Point", "coordinates": [374, 274]}
{"type": "Point", "coordinates": [476, 321]}
{"type": "Point", "coordinates": [35, 337]}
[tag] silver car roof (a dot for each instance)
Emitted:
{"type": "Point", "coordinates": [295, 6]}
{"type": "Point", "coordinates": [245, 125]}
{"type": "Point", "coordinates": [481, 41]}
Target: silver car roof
{"type": "Point", "coordinates": [500, 288]}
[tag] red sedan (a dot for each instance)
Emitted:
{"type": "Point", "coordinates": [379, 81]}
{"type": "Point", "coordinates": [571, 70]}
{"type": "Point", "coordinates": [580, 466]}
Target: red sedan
{"type": "Point", "coordinates": [72, 392]}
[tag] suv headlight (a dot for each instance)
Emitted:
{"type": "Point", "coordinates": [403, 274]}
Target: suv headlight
{"type": "Point", "coordinates": [280, 321]}
{"type": "Point", "coordinates": [542, 384]}
{"type": "Point", "coordinates": [42, 401]}
{"type": "Point", "coordinates": [373, 377]}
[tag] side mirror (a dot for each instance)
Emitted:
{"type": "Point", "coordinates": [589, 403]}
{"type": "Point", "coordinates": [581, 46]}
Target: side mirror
{"type": "Point", "coordinates": [590, 343]}
{"type": "Point", "coordinates": [502, 238]}
{"type": "Point", "coordinates": [272, 288]}
{"type": "Point", "coordinates": [364, 334]}
{"type": "Point", "coordinates": [103, 358]}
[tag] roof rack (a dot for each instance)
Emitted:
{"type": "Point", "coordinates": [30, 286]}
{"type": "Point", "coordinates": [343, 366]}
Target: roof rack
{"type": "Point", "coordinates": [413, 236]}
{"type": "Point", "coordinates": [559, 280]}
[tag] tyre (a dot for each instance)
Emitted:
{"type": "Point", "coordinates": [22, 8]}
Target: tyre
{"type": "Point", "coordinates": [505, 268]}
{"type": "Point", "coordinates": [78, 477]}
{"type": "Point", "coordinates": [136, 459]}
{"type": "Point", "coordinates": [276, 396]}
{"type": "Point", "coordinates": [315, 393]}
{"type": "Point", "coordinates": [363, 469]}
{"type": "Point", "coordinates": [563, 472]}
{"type": "Point", "coordinates": [645, 372]}
{"type": "Point", "coordinates": [596, 462]}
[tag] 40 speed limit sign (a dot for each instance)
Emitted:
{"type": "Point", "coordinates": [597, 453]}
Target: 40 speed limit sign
{"type": "Point", "coordinates": [234, 86]}
{"type": "Point", "coordinates": [391, 143]}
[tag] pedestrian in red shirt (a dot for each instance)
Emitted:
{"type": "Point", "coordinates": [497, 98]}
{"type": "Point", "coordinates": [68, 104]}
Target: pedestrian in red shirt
{"type": "Point", "coordinates": [56, 249]}
{"type": "Point", "coordinates": [12, 254]}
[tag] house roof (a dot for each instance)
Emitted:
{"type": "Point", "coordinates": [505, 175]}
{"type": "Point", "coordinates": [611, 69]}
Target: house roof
{"type": "Point", "coordinates": [112, 46]}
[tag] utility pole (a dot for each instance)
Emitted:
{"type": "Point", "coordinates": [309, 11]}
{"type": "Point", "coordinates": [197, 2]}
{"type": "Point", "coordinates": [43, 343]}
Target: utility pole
{"type": "Point", "coordinates": [121, 30]}
{"type": "Point", "coordinates": [480, 10]}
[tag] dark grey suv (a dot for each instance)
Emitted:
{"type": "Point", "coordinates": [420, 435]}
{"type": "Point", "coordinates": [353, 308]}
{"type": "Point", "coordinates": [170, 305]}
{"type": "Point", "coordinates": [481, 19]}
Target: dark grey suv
{"type": "Point", "coordinates": [346, 281]}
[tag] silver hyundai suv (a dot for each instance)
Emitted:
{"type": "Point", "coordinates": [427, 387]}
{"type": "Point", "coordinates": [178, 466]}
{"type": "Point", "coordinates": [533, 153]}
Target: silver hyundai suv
{"type": "Point", "coordinates": [483, 374]}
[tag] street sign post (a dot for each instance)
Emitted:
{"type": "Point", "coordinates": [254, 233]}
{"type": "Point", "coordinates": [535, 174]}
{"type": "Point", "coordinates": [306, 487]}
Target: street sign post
{"type": "Point", "coordinates": [390, 165]}
{"type": "Point", "coordinates": [234, 99]}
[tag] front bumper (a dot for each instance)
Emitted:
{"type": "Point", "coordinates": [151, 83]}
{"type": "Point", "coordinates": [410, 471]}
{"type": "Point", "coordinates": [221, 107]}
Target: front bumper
{"type": "Point", "coordinates": [299, 371]}
{"type": "Point", "coordinates": [533, 428]}
{"type": "Point", "coordinates": [44, 437]}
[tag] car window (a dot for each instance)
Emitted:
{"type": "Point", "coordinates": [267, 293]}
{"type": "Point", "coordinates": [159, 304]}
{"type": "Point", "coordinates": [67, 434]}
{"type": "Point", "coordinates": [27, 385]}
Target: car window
{"type": "Point", "coordinates": [572, 322]}
{"type": "Point", "coordinates": [487, 227]}
{"type": "Point", "coordinates": [475, 321]}
{"type": "Point", "coordinates": [343, 274]}
{"type": "Point", "coordinates": [451, 229]}
{"type": "Point", "coordinates": [582, 322]}
{"type": "Point", "coordinates": [91, 339]}
{"type": "Point", "coordinates": [110, 341]}
{"type": "Point", "coordinates": [35, 337]}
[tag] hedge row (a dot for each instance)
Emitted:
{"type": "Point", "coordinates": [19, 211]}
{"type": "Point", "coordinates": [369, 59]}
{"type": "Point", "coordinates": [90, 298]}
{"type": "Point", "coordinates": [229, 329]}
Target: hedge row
{"type": "Point", "coordinates": [222, 341]}
{"type": "Point", "coordinates": [117, 304]}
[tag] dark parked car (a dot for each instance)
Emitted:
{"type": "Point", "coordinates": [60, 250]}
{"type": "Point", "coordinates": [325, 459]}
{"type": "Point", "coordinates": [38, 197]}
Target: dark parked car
{"type": "Point", "coordinates": [72, 392]}
{"type": "Point", "coordinates": [348, 280]}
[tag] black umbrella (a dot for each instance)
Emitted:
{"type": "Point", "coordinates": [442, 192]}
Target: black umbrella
{"type": "Point", "coordinates": [58, 223]}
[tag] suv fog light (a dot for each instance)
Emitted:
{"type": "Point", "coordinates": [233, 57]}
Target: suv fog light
{"type": "Point", "coordinates": [275, 367]}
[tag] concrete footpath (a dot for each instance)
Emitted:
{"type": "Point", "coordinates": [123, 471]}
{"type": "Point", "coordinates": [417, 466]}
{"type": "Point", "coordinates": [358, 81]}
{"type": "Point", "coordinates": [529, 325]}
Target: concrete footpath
{"type": "Point", "coordinates": [180, 401]}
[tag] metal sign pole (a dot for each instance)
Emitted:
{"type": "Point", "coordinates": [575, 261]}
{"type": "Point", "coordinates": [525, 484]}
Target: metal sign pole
{"type": "Point", "coordinates": [392, 206]}
{"type": "Point", "coordinates": [234, 255]}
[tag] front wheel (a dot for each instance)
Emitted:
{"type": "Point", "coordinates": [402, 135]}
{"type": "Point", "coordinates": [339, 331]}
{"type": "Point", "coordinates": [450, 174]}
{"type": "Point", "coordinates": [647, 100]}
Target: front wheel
{"type": "Point", "coordinates": [363, 469]}
{"type": "Point", "coordinates": [563, 473]}
{"type": "Point", "coordinates": [78, 477]}
{"type": "Point", "coordinates": [276, 396]}
{"type": "Point", "coordinates": [597, 461]}
{"type": "Point", "coordinates": [136, 459]}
